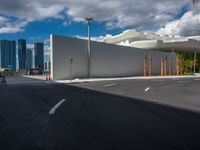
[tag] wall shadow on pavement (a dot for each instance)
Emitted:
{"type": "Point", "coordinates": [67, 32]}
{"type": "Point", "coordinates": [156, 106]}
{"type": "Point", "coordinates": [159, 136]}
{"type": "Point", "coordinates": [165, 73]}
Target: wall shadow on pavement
{"type": "Point", "coordinates": [137, 100]}
{"type": "Point", "coordinates": [156, 126]}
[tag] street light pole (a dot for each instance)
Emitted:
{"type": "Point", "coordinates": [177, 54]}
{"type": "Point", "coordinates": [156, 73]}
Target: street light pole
{"type": "Point", "coordinates": [195, 57]}
{"type": "Point", "coordinates": [70, 69]}
{"type": "Point", "coordinates": [89, 20]}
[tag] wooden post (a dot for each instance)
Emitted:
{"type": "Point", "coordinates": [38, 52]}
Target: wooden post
{"type": "Point", "coordinates": [165, 65]}
{"type": "Point", "coordinates": [161, 66]}
{"type": "Point", "coordinates": [180, 67]}
{"type": "Point", "coordinates": [166, 59]}
{"type": "Point", "coordinates": [150, 65]}
{"type": "Point", "coordinates": [169, 61]}
{"type": "Point", "coordinates": [145, 65]}
{"type": "Point", "coordinates": [177, 65]}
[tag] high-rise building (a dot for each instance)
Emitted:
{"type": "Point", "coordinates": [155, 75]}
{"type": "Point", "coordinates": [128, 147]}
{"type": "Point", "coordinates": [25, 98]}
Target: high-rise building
{"type": "Point", "coordinates": [47, 66]}
{"type": "Point", "coordinates": [39, 55]}
{"type": "Point", "coordinates": [29, 59]}
{"type": "Point", "coordinates": [8, 54]}
{"type": "Point", "coordinates": [22, 54]}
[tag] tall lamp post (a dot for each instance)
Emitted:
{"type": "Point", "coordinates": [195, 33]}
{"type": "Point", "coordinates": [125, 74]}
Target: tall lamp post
{"type": "Point", "coordinates": [195, 1]}
{"type": "Point", "coordinates": [89, 20]}
{"type": "Point", "coordinates": [195, 57]}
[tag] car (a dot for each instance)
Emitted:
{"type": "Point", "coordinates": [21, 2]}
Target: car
{"type": "Point", "coordinates": [35, 71]}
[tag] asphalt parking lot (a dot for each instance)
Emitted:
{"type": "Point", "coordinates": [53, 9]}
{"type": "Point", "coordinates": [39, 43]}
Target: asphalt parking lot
{"type": "Point", "coordinates": [183, 93]}
{"type": "Point", "coordinates": [110, 115]}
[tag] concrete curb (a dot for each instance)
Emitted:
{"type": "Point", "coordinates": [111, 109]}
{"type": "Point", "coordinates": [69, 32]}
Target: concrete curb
{"type": "Point", "coordinates": [124, 78]}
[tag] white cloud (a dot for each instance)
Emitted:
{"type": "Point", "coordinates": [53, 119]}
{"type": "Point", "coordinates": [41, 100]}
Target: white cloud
{"type": "Point", "coordinates": [125, 13]}
{"type": "Point", "coordinates": [42, 12]}
{"type": "Point", "coordinates": [140, 14]}
{"type": "Point", "coordinates": [3, 20]}
{"type": "Point", "coordinates": [10, 29]}
{"type": "Point", "coordinates": [188, 24]}
{"type": "Point", "coordinates": [37, 9]}
{"type": "Point", "coordinates": [9, 26]}
{"type": "Point", "coordinates": [99, 38]}
{"type": "Point", "coordinates": [30, 46]}
{"type": "Point", "coordinates": [66, 23]}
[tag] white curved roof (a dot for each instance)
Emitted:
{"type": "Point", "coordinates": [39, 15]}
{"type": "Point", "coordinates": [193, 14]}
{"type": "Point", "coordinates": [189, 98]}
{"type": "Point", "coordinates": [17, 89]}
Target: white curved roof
{"type": "Point", "coordinates": [133, 38]}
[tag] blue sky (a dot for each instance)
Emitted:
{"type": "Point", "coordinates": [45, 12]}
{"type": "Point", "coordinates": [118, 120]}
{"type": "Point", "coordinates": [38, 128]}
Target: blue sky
{"type": "Point", "coordinates": [41, 30]}
{"type": "Point", "coordinates": [36, 20]}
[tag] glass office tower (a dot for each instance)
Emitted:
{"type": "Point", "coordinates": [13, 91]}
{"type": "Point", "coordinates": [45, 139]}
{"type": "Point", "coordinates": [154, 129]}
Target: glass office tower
{"type": "Point", "coordinates": [22, 54]}
{"type": "Point", "coordinates": [8, 54]}
{"type": "Point", "coordinates": [29, 59]}
{"type": "Point", "coordinates": [39, 55]}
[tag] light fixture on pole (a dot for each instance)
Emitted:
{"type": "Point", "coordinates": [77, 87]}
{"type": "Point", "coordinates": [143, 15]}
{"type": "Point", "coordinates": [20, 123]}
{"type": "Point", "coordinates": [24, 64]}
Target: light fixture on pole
{"type": "Point", "coordinates": [89, 20]}
{"type": "Point", "coordinates": [195, 1]}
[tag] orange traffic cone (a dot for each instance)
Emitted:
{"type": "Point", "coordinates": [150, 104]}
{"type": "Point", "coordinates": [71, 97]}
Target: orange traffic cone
{"type": "Point", "coordinates": [46, 77]}
{"type": "Point", "coordinates": [49, 77]}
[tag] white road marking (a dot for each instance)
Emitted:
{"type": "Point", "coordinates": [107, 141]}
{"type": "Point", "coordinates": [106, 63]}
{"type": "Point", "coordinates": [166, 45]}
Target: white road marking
{"type": "Point", "coordinates": [155, 100]}
{"type": "Point", "coordinates": [158, 80]}
{"type": "Point", "coordinates": [183, 81]}
{"type": "Point", "coordinates": [174, 78]}
{"type": "Point", "coordinates": [110, 84]}
{"type": "Point", "coordinates": [197, 79]}
{"type": "Point", "coordinates": [53, 110]}
{"type": "Point", "coordinates": [148, 88]}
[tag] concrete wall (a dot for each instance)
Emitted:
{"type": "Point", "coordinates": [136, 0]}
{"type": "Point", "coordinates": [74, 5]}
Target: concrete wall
{"type": "Point", "coordinates": [107, 60]}
{"type": "Point", "coordinates": [62, 49]}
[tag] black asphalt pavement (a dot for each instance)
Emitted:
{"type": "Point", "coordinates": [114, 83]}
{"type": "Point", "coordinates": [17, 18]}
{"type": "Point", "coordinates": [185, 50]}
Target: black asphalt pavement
{"type": "Point", "coordinates": [96, 116]}
{"type": "Point", "coordinates": [183, 93]}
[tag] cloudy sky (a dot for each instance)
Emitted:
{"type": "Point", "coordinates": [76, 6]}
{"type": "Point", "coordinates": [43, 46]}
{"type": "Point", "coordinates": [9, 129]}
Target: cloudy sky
{"type": "Point", "coordinates": [36, 20]}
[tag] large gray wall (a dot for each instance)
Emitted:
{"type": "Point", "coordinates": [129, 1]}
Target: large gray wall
{"type": "Point", "coordinates": [107, 60]}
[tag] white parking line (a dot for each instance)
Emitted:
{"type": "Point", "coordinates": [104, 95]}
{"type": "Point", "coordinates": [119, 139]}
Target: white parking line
{"type": "Point", "coordinates": [110, 84]}
{"type": "Point", "coordinates": [183, 81]}
{"type": "Point", "coordinates": [197, 79]}
{"type": "Point", "coordinates": [158, 80]}
{"type": "Point", "coordinates": [147, 89]}
{"type": "Point", "coordinates": [53, 110]}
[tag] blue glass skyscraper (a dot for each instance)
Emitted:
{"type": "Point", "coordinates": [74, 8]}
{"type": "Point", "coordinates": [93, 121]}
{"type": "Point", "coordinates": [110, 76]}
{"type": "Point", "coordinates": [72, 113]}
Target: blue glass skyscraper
{"type": "Point", "coordinates": [22, 54]}
{"type": "Point", "coordinates": [29, 59]}
{"type": "Point", "coordinates": [8, 54]}
{"type": "Point", "coordinates": [39, 55]}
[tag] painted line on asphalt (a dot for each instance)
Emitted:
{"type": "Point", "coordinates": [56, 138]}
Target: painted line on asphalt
{"type": "Point", "coordinates": [147, 89]}
{"type": "Point", "coordinates": [184, 81]}
{"type": "Point", "coordinates": [112, 84]}
{"type": "Point", "coordinates": [53, 110]}
{"type": "Point", "coordinates": [158, 80]}
{"type": "Point", "coordinates": [197, 79]}
{"type": "Point", "coordinates": [175, 79]}
{"type": "Point", "coordinates": [155, 100]}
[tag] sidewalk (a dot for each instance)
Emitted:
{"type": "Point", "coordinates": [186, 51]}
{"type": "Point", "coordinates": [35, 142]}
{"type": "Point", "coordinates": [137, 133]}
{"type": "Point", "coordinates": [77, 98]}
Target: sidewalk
{"type": "Point", "coordinates": [39, 77]}
{"type": "Point", "coordinates": [125, 78]}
